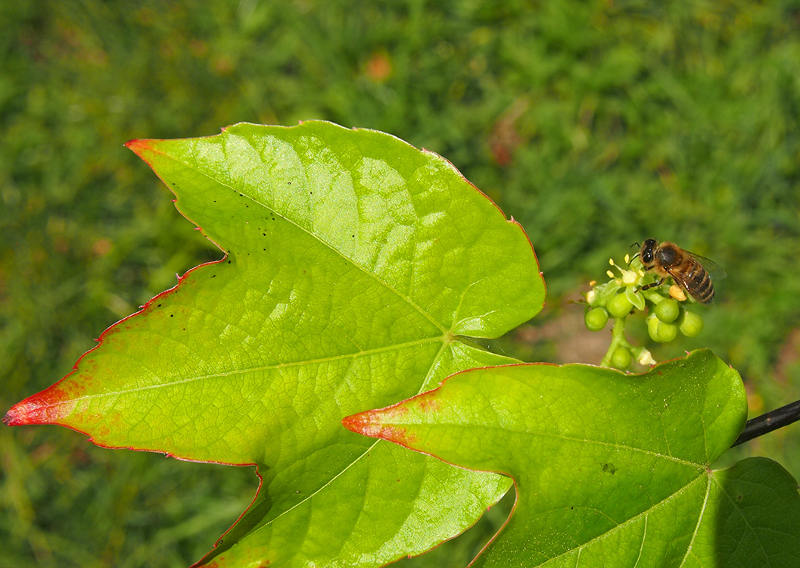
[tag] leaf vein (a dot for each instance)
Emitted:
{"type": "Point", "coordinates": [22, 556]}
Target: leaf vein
{"type": "Point", "coordinates": [351, 464]}
{"type": "Point", "coordinates": [699, 520]}
{"type": "Point", "coordinates": [308, 231]}
{"type": "Point", "coordinates": [744, 517]}
{"type": "Point", "coordinates": [623, 524]}
{"type": "Point", "coordinates": [241, 371]}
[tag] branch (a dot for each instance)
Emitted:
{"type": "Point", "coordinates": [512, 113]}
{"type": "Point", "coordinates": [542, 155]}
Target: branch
{"type": "Point", "coordinates": [768, 422]}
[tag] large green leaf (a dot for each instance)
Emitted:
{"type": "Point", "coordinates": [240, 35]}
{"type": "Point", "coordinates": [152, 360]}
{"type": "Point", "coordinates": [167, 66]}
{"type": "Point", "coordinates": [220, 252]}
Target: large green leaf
{"type": "Point", "coordinates": [354, 264]}
{"type": "Point", "coordinates": [610, 469]}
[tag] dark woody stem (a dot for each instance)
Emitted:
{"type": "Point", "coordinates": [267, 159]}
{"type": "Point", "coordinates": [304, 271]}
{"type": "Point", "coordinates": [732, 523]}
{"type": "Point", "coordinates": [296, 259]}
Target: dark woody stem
{"type": "Point", "coordinates": [768, 422]}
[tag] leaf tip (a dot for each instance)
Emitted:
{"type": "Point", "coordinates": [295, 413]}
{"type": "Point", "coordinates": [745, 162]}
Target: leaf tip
{"type": "Point", "coordinates": [45, 407]}
{"type": "Point", "coordinates": [360, 423]}
{"type": "Point", "coordinates": [139, 146]}
{"type": "Point", "coordinates": [372, 423]}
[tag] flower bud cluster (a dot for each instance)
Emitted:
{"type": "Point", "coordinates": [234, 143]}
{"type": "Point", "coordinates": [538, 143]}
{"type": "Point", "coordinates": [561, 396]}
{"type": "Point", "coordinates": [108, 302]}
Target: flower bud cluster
{"type": "Point", "coordinates": [623, 295]}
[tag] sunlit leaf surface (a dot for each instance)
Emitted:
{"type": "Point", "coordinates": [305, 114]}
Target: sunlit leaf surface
{"type": "Point", "coordinates": [354, 264]}
{"type": "Point", "coordinates": [610, 469]}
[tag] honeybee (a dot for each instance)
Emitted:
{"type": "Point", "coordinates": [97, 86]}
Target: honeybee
{"type": "Point", "coordinates": [669, 260]}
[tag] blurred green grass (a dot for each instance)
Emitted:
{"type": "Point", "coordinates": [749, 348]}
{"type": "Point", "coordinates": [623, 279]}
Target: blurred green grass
{"type": "Point", "coordinates": [595, 124]}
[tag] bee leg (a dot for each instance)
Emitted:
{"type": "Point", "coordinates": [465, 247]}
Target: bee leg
{"type": "Point", "coordinates": [652, 285]}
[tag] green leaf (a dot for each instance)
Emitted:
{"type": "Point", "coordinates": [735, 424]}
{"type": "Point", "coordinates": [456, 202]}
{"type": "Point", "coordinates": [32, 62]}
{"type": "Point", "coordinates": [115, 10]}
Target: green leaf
{"type": "Point", "coordinates": [610, 469]}
{"type": "Point", "coordinates": [354, 264]}
{"type": "Point", "coordinates": [752, 518]}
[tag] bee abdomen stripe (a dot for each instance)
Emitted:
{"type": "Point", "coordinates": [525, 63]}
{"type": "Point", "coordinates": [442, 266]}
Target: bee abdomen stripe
{"type": "Point", "coordinates": [705, 290]}
{"type": "Point", "coordinates": [706, 298]}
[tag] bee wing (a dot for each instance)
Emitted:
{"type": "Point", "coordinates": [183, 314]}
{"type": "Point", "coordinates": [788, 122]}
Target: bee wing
{"type": "Point", "coordinates": [714, 270]}
{"type": "Point", "coordinates": [702, 293]}
{"type": "Point", "coordinates": [683, 282]}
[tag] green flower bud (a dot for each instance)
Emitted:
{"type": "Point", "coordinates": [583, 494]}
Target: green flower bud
{"type": "Point", "coordinates": [595, 318]}
{"type": "Point", "coordinates": [690, 324]}
{"type": "Point", "coordinates": [621, 358]}
{"type": "Point", "coordinates": [660, 331]}
{"type": "Point", "coordinates": [667, 310]}
{"type": "Point", "coordinates": [619, 306]}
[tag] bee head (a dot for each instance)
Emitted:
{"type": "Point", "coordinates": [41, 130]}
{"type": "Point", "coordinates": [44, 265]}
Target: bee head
{"type": "Point", "coordinates": [648, 251]}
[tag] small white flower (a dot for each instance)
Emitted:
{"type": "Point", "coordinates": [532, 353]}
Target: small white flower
{"type": "Point", "coordinates": [629, 277]}
{"type": "Point", "coordinates": [646, 358]}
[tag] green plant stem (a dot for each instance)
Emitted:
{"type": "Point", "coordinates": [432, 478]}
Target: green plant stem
{"type": "Point", "coordinates": [617, 339]}
{"type": "Point", "coordinates": [652, 297]}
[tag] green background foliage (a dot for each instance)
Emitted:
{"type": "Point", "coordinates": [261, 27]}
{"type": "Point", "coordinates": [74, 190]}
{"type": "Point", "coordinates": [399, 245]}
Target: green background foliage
{"type": "Point", "coordinates": [594, 124]}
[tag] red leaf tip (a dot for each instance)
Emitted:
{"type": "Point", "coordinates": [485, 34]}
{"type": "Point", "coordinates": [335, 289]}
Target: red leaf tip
{"type": "Point", "coordinates": [139, 145]}
{"type": "Point", "coordinates": [372, 423]}
{"type": "Point", "coordinates": [45, 407]}
{"type": "Point", "coordinates": [359, 423]}
{"type": "Point", "coordinates": [9, 418]}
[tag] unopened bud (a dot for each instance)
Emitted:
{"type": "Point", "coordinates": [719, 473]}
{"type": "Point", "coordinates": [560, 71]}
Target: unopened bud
{"type": "Point", "coordinates": [690, 324]}
{"type": "Point", "coordinates": [596, 318]}
{"type": "Point", "coordinates": [619, 306]}
{"type": "Point", "coordinates": [621, 358]}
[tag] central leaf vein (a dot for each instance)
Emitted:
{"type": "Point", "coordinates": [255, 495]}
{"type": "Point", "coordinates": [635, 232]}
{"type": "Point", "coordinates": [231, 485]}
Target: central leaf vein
{"type": "Point", "coordinates": [699, 521]}
{"type": "Point", "coordinates": [242, 371]}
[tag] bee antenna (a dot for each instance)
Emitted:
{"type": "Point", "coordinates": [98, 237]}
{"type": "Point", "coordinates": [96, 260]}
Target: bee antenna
{"type": "Point", "coordinates": [637, 245]}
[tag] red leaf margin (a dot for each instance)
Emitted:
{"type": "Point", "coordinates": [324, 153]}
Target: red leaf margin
{"type": "Point", "coordinates": [50, 405]}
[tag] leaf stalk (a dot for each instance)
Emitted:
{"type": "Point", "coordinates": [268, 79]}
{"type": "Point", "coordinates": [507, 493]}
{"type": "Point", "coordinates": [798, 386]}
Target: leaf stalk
{"type": "Point", "coordinates": [768, 422]}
